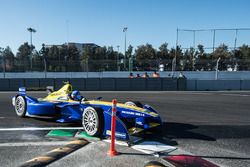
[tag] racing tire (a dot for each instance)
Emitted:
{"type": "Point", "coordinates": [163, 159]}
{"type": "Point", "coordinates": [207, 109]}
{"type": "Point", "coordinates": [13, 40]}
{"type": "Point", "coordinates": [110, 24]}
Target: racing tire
{"type": "Point", "coordinates": [20, 106]}
{"type": "Point", "coordinates": [134, 103]}
{"type": "Point", "coordinates": [93, 121]}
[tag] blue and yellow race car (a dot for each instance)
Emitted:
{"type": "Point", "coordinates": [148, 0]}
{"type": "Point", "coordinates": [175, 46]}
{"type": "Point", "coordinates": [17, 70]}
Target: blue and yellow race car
{"type": "Point", "coordinates": [68, 106]}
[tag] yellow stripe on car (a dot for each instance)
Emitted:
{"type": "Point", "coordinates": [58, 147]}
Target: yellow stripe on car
{"type": "Point", "coordinates": [123, 106]}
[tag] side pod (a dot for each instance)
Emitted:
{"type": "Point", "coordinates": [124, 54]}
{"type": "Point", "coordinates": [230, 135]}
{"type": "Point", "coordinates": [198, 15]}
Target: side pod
{"type": "Point", "coordinates": [121, 129]}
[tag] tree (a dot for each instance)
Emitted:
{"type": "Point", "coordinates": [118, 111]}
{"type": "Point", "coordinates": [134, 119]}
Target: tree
{"type": "Point", "coordinates": [243, 53]}
{"type": "Point", "coordinates": [53, 59]}
{"type": "Point", "coordinates": [99, 53]}
{"type": "Point", "coordinates": [187, 60]}
{"type": "Point", "coordinates": [130, 58]}
{"type": "Point", "coordinates": [96, 61]}
{"type": "Point", "coordinates": [202, 59]}
{"type": "Point", "coordinates": [87, 53]}
{"type": "Point", "coordinates": [24, 51]}
{"type": "Point", "coordinates": [8, 59]}
{"type": "Point", "coordinates": [63, 52]}
{"type": "Point", "coordinates": [145, 52]}
{"type": "Point", "coordinates": [201, 49]}
{"type": "Point", "coordinates": [38, 64]}
{"type": "Point", "coordinates": [129, 51]}
{"type": "Point", "coordinates": [53, 54]}
{"type": "Point", "coordinates": [177, 54]}
{"type": "Point", "coordinates": [2, 59]}
{"type": "Point", "coordinates": [44, 55]}
{"type": "Point", "coordinates": [145, 57]}
{"type": "Point", "coordinates": [163, 51]}
{"type": "Point", "coordinates": [73, 62]}
{"type": "Point", "coordinates": [224, 54]}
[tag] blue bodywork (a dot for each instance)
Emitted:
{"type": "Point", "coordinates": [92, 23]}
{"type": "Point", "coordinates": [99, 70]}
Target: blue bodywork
{"type": "Point", "coordinates": [127, 117]}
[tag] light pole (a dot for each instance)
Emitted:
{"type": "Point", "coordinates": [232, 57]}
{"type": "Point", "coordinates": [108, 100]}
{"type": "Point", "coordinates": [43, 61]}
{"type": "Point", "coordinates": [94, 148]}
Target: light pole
{"type": "Point", "coordinates": [118, 69]}
{"type": "Point", "coordinates": [31, 30]}
{"type": "Point", "coordinates": [125, 42]}
{"type": "Point", "coordinates": [43, 53]}
{"type": "Point", "coordinates": [175, 54]}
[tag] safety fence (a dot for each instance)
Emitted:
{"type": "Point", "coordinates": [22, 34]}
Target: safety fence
{"type": "Point", "coordinates": [182, 64]}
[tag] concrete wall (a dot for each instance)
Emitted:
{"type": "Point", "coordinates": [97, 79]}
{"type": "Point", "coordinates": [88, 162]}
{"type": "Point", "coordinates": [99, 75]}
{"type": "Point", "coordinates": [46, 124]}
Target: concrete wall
{"type": "Point", "coordinates": [216, 85]}
{"type": "Point", "coordinates": [125, 84]}
{"type": "Point", "coordinates": [197, 75]}
{"type": "Point", "coordinates": [96, 84]}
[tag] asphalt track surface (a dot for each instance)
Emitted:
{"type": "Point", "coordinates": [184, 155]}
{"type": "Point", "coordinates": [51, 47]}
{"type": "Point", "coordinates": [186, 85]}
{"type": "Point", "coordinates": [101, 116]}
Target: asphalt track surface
{"type": "Point", "coordinates": [212, 125]}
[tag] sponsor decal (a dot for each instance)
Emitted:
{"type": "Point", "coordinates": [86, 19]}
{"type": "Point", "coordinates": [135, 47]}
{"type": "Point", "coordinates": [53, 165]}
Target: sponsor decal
{"type": "Point", "coordinates": [22, 91]}
{"type": "Point", "coordinates": [139, 123]}
{"type": "Point", "coordinates": [55, 94]}
{"type": "Point", "coordinates": [133, 113]}
{"type": "Point", "coordinates": [62, 98]}
{"type": "Point", "coordinates": [117, 134]}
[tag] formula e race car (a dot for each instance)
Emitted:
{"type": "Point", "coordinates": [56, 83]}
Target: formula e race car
{"type": "Point", "coordinates": [66, 105]}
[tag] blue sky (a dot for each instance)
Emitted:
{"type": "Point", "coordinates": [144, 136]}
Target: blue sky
{"type": "Point", "coordinates": [102, 21]}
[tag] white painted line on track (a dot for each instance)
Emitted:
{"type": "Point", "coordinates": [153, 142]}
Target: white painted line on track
{"type": "Point", "coordinates": [239, 95]}
{"type": "Point", "coordinates": [38, 128]}
{"type": "Point", "coordinates": [196, 93]}
{"type": "Point", "coordinates": [2, 117]}
{"type": "Point", "coordinates": [51, 143]}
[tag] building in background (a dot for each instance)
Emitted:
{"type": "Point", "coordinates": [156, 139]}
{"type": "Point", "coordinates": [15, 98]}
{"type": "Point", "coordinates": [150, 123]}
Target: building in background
{"type": "Point", "coordinates": [80, 46]}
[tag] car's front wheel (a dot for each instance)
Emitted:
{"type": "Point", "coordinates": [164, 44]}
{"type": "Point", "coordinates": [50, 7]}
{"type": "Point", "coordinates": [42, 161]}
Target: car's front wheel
{"type": "Point", "coordinates": [93, 121]}
{"type": "Point", "coordinates": [20, 106]}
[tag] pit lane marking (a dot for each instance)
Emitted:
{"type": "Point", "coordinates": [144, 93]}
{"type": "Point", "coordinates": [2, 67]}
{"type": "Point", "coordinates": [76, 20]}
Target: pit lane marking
{"type": "Point", "coordinates": [39, 128]}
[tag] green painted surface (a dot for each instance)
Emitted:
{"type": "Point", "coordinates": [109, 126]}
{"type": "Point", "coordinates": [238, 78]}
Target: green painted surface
{"type": "Point", "coordinates": [62, 133]}
{"type": "Point", "coordinates": [83, 134]}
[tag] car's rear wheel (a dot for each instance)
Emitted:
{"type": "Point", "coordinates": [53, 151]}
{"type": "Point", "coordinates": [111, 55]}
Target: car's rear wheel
{"type": "Point", "coordinates": [20, 106]}
{"type": "Point", "coordinates": [93, 121]}
{"type": "Point", "coordinates": [134, 103]}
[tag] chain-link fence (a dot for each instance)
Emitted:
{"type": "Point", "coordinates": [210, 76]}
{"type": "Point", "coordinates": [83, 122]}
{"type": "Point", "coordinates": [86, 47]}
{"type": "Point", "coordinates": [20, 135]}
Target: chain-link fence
{"type": "Point", "coordinates": [195, 64]}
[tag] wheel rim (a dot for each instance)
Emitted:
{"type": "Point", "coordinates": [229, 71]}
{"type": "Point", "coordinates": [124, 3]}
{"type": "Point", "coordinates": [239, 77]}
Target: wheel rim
{"type": "Point", "coordinates": [90, 121]}
{"type": "Point", "coordinates": [20, 104]}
